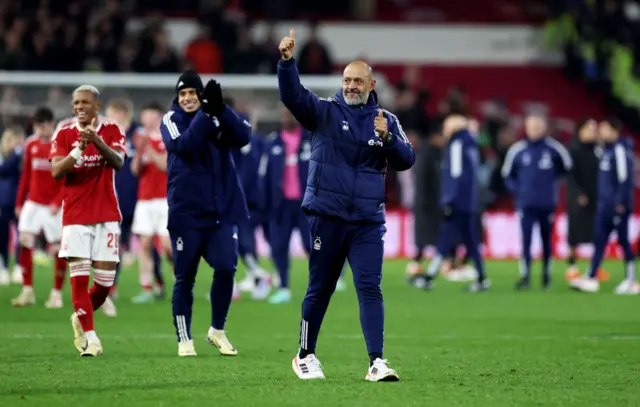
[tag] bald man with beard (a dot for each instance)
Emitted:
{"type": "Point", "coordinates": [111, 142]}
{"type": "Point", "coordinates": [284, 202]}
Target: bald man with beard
{"type": "Point", "coordinates": [353, 141]}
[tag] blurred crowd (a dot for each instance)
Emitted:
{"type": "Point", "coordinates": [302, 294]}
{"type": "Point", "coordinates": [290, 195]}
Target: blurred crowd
{"type": "Point", "coordinates": [42, 35]}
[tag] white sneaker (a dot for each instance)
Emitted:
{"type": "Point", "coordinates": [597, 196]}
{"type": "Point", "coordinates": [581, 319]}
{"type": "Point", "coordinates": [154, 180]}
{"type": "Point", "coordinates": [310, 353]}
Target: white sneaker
{"type": "Point", "coordinates": [380, 372]}
{"type": "Point", "coordinates": [628, 287]}
{"type": "Point", "coordinates": [16, 276]}
{"type": "Point", "coordinates": [54, 301]}
{"type": "Point", "coordinates": [5, 277]}
{"type": "Point", "coordinates": [109, 308]}
{"type": "Point", "coordinates": [247, 284]}
{"type": "Point", "coordinates": [585, 284]}
{"type": "Point", "coordinates": [307, 368]}
{"type": "Point", "coordinates": [93, 348]}
{"type": "Point", "coordinates": [261, 290]}
{"type": "Point", "coordinates": [25, 298]}
{"type": "Point", "coordinates": [219, 340]}
{"type": "Point", "coordinates": [79, 340]}
{"type": "Point", "coordinates": [185, 348]}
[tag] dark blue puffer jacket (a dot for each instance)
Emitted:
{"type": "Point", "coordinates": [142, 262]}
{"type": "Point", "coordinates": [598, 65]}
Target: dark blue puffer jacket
{"type": "Point", "coordinates": [348, 160]}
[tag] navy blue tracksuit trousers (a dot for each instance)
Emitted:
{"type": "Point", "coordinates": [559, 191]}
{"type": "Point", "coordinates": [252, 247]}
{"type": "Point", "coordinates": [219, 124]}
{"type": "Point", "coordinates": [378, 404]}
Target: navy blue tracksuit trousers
{"type": "Point", "coordinates": [288, 216]}
{"type": "Point", "coordinates": [6, 217]}
{"type": "Point", "coordinates": [219, 248]}
{"type": "Point", "coordinates": [606, 222]}
{"type": "Point", "coordinates": [247, 235]}
{"type": "Point", "coordinates": [528, 218]}
{"type": "Point", "coordinates": [332, 242]}
{"type": "Point", "coordinates": [461, 227]}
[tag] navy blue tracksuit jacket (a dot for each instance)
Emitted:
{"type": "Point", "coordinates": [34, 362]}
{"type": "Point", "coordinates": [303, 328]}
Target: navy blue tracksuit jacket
{"type": "Point", "coordinates": [206, 202]}
{"type": "Point", "coordinates": [344, 198]}
{"type": "Point", "coordinates": [459, 197]}
{"type": "Point", "coordinates": [247, 161]}
{"type": "Point", "coordinates": [10, 169]}
{"type": "Point", "coordinates": [531, 171]}
{"type": "Point", "coordinates": [126, 182]}
{"type": "Point", "coordinates": [615, 201]}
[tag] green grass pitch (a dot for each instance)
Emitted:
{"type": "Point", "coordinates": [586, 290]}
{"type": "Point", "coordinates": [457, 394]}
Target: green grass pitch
{"type": "Point", "coordinates": [501, 348]}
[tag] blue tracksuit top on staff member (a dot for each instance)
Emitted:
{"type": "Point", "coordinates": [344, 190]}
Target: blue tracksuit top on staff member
{"type": "Point", "coordinates": [203, 187]}
{"type": "Point", "coordinates": [247, 161]}
{"type": "Point", "coordinates": [10, 169]}
{"type": "Point", "coordinates": [531, 169]}
{"type": "Point", "coordinates": [126, 182]}
{"type": "Point", "coordinates": [275, 148]}
{"type": "Point", "coordinates": [615, 177]}
{"type": "Point", "coordinates": [348, 160]}
{"type": "Point", "coordinates": [458, 178]}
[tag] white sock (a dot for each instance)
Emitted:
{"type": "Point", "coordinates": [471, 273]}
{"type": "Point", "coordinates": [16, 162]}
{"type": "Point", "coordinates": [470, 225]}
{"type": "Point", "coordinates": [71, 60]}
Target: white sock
{"type": "Point", "coordinates": [631, 271]}
{"type": "Point", "coordinates": [434, 266]}
{"type": "Point", "coordinates": [91, 336]}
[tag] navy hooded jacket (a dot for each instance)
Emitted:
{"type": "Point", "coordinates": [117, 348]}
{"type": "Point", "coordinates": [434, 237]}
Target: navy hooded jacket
{"type": "Point", "coordinates": [10, 169]}
{"type": "Point", "coordinates": [275, 148]}
{"type": "Point", "coordinates": [459, 174]}
{"type": "Point", "coordinates": [203, 186]}
{"type": "Point", "coordinates": [126, 182]}
{"type": "Point", "coordinates": [615, 177]}
{"type": "Point", "coordinates": [348, 160]}
{"type": "Point", "coordinates": [531, 170]}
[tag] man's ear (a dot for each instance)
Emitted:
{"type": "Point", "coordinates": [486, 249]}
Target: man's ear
{"type": "Point", "coordinates": [373, 85]}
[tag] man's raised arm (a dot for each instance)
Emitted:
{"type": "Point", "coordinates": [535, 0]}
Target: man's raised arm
{"type": "Point", "coordinates": [305, 105]}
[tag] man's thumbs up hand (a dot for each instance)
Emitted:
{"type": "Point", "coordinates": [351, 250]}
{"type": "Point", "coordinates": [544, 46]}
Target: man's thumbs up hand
{"type": "Point", "coordinates": [287, 44]}
{"type": "Point", "coordinates": [380, 125]}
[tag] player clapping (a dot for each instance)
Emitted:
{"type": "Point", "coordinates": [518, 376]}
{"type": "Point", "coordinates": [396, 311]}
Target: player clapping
{"type": "Point", "coordinates": [85, 154]}
{"type": "Point", "coordinates": [152, 211]}
{"type": "Point", "coordinates": [41, 211]}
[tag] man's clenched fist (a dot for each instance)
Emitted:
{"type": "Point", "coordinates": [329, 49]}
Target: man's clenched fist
{"type": "Point", "coordinates": [287, 44]}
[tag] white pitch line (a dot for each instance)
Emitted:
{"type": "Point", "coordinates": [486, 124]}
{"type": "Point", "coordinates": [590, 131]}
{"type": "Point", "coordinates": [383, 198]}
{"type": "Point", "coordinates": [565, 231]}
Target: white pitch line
{"type": "Point", "coordinates": [427, 337]}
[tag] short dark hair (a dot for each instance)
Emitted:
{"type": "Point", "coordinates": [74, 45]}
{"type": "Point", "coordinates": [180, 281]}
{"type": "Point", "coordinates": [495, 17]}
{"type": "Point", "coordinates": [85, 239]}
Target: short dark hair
{"type": "Point", "coordinates": [43, 115]}
{"type": "Point", "coordinates": [614, 122]}
{"type": "Point", "coordinates": [155, 106]}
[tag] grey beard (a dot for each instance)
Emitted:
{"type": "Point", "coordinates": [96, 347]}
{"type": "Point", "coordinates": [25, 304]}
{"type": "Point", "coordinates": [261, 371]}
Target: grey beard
{"type": "Point", "coordinates": [361, 99]}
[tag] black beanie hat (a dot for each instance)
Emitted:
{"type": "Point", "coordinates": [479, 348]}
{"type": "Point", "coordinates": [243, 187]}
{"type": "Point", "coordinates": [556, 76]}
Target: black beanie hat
{"type": "Point", "coordinates": [189, 79]}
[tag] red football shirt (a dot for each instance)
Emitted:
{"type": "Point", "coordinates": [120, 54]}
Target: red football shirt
{"type": "Point", "coordinates": [36, 180]}
{"type": "Point", "coordinates": [153, 181]}
{"type": "Point", "coordinates": [89, 191]}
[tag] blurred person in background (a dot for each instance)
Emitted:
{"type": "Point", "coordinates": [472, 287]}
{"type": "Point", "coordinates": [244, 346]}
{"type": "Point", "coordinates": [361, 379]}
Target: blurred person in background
{"type": "Point", "coordinates": [582, 191]}
{"type": "Point", "coordinates": [286, 180]}
{"type": "Point", "coordinates": [120, 111]}
{"type": "Point", "coordinates": [613, 210]}
{"type": "Point", "coordinates": [11, 153]}
{"type": "Point", "coordinates": [150, 218]}
{"type": "Point", "coordinates": [426, 205]}
{"type": "Point", "coordinates": [531, 171]}
{"type": "Point", "coordinates": [38, 209]}
{"type": "Point", "coordinates": [252, 170]}
{"type": "Point", "coordinates": [458, 202]}
{"type": "Point", "coordinates": [314, 57]}
{"type": "Point", "coordinates": [203, 54]}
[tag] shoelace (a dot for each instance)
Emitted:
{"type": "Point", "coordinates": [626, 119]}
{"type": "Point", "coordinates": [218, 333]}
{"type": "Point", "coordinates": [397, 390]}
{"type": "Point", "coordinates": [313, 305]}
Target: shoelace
{"type": "Point", "coordinates": [383, 362]}
{"type": "Point", "coordinates": [314, 364]}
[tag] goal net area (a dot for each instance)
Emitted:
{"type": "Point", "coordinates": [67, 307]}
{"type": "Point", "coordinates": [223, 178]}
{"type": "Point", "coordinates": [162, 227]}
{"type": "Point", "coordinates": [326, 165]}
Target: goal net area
{"type": "Point", "coordinates": [256, 95]}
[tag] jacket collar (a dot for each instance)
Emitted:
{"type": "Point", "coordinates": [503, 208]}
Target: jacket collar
{"type": "Point", "coordinates": [372, 102]}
